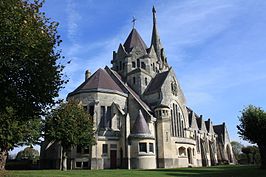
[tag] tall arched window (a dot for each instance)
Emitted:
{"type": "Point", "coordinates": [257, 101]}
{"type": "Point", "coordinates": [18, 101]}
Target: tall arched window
{"type": "Point", "coordinates": [177, 121]}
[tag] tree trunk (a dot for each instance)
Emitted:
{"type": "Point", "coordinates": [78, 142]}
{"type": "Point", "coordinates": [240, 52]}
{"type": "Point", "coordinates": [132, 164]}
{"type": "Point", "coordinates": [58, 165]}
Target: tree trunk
{"type": "Point", "coordinates": [64, 160]}
{"type": "Point", "coordinates": [3, 157]}
{"type": "Point", "coordinates": [262, 148]}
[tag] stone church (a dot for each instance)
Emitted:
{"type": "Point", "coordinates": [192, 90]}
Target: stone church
{"type": "Point", "coordinates": [140, 116]}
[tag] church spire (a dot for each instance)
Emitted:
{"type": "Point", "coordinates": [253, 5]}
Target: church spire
{"type": "Point", "coordinates": [155, 39]}
{"type": "Point", "coordinates": [156, 42]}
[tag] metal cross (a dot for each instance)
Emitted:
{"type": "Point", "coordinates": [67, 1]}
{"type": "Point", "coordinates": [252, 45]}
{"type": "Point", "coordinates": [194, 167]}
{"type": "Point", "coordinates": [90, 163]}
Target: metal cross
{"type": "Point", "coordinates": [134, 21]}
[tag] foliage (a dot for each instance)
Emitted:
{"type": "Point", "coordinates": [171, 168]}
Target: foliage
{"type": "Point", "coordinates": [14, 132]}
{"type": "Point", "coordinates": [217, 171]}
{"type": "Point", "coordinates": [28, 154]}
{"type": "Point", "coordinates": [70, 125]}
{"type": "Point", "coordinates": [252, 127]}
{"type": "Point", "coordinates": [30, 77]}
{"type": "Point", "coordinates": [252, 154]}
{"type": "Point", "coordinates": [247, 152]}
{"type": "Point", "coordinates": [236, 146]}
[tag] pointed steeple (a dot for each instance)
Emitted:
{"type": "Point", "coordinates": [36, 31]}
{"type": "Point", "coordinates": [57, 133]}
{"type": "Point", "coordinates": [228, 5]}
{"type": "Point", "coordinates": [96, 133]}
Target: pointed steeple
{"type": "Point", "coordinates": [156, 42]}
{"type": "Point", "coordinates": [155, 39]}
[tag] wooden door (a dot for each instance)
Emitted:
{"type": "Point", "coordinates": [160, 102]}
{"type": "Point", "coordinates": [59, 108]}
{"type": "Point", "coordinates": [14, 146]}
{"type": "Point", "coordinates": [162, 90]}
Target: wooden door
{"type": "Point", "coordinates": [113, 159]}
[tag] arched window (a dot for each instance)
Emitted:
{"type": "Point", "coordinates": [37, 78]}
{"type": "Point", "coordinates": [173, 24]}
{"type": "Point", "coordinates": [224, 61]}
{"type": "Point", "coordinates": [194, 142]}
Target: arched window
{"type": "Point", "coordinates": [146, 81]}
{"type": "Point", "coordinates": [182, 151]}
{"type": "Point", "coordinates": [177, 121]}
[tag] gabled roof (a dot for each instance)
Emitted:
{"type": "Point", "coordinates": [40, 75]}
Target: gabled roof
{"type": "Point", "coordinates": [134, 40]}
{"type": "Point", "coordinates": [201, 124]}
{"type": "Point", "coordinates": [132, 92]}
{"type": "Point", "coordinates": [192, 118]}
{"type": "Point", "coordinates": [157, 82]}
{"type": "Point", "coordinates": [99, 80]}
{"type": "Point", "coordinates": [219, 129]}
{"type": "Point", "coordinates": [209, 126]}
{"type": "Point", "coordinates": [140, 126]}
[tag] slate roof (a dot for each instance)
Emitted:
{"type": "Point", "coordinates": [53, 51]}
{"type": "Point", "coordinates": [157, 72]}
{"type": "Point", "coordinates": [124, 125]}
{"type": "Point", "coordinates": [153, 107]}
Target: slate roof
{"type": "Point", "coordinates": [208, 124]}
{"type": "Point", "coordinates": [99, 80]}
{"type": "Point", "coordinates": [157, 82]}
{"type": "Point", "coordinates": [140, 126]}
{"type": "Point", "coordinates": [219, 129]}
{"type": "Point", "coordinates": [190, 114]}
{"type": "Point", "coordinates": [201, 123]}
{"type": "Point", "coordinates": [132, 92]}
{"type": "Point", "coordinates": [134, 40]}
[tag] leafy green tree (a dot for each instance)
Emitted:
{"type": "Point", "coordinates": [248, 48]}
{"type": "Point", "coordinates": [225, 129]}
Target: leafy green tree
{"type": "Point", "coordinates": [70, 125]}
{"type": "Point", "coordinates": [247, 151]}
{"type": "Point", "coordinates": [252, 127]}
{"type": "Point", "coordinates": [28, 153]}
{"type": "Point", "coordinates": [236, 146]}
{"type": "Point", "coordinates": [30, 76]}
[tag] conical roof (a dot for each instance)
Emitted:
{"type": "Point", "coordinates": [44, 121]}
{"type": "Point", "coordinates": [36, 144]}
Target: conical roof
{"type": "Point", "coordinates": [99, 80]}
{"type": "Point", "coordinates": [134, 40]}
{"type": "Point", "coordinates": [140, 126]}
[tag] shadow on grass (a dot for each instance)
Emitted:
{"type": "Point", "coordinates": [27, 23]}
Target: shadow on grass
{"type": "Point", "coordinates": [218, 171]}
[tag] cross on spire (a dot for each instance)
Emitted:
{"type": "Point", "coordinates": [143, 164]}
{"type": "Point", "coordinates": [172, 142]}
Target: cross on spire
{"type": "Point", "coordinates": [133, 21]}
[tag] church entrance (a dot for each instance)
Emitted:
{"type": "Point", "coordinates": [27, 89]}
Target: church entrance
{"type": "Point", "coordinates": [113, 159]}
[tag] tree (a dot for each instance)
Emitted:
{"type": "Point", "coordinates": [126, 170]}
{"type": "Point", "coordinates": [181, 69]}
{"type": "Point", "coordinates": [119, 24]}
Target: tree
{"type": "Point", "coordinates": [236, 147]}
{"type": "Point", "coordinates": [28, 154]}
{"type": "Point", "coordinates": [15, 132]}
{"type": "Point", "coordinates": [252, 127]}
{"type": "Point", "coordinates": [247, 151]}
{"type": "Point", "coordinates": [30, 76]}
{"type": "Point", "coordinates": [70, 125]}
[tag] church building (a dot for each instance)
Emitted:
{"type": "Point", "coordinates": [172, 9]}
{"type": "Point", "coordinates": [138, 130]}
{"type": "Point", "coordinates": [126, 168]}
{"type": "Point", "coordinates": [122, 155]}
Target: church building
{"type": "Point", "coordinates": [140, 115]}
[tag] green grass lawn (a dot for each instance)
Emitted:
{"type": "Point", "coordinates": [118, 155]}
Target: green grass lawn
{"type": "Point", "coordinates": [218, 171]}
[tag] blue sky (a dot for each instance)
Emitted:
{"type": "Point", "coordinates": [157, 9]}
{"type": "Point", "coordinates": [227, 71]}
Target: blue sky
{"type": "Point", "coordinates": [217, 48]}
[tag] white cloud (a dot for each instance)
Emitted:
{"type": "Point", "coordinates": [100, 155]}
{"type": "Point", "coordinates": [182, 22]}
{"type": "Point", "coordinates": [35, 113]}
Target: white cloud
{"type": "Point", "coordinates": [73, 19]}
